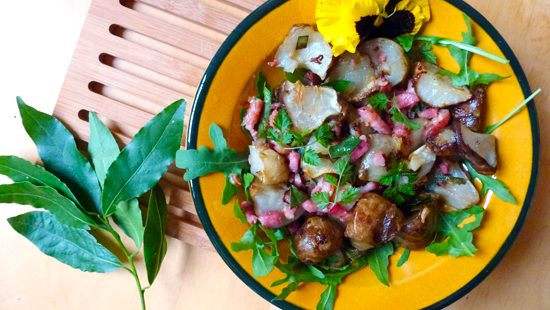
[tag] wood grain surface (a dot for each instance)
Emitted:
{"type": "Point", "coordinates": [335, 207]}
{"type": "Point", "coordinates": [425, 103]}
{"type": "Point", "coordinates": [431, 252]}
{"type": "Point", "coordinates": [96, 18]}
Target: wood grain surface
{"type": "Point", "coordinates": [134, 55]}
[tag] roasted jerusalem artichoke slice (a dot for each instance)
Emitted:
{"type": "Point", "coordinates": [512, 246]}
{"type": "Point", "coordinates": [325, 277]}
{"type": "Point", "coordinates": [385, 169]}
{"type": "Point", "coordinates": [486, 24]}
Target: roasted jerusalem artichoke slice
{"type": "Point", "coordinates": [437, 90]}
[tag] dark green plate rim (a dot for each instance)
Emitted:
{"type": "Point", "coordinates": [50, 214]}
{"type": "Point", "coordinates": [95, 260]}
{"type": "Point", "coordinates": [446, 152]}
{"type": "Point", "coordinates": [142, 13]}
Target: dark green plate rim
{"type": "Point", "coordinates": [194, 122]}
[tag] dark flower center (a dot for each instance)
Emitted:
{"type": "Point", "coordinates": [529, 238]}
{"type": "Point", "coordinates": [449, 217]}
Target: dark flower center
{"type": "Point", "coordinates": [400, 22]}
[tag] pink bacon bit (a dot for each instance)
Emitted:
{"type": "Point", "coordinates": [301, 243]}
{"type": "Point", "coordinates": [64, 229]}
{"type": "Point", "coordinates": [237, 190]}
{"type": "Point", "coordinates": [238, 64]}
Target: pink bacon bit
{"type": "Point", "coordinates": [383, 57]}
{"type": "Point", "coordinates": [324, 187]}
{"type": "Point", "coordinates": [379, 159]}
{"type": "Point", "coordinates": [339, 212]}
{"type": "Point", "coordinates": [383, 85]}
{"type": "Point", "coordinates": [437, 124]}
{"type": "Point", "coordinates": [294, 161]}
{"type": "Point", "coordinates": [273, 63]}
{"type": "Point", "coordinates": [272, 219]}
{"type": "Point", "coordinates": [249, 212]}
{"type": "Point", "coordinates": [360, 150]}
{"type": "Point", "coordinates": [372, 119]}
{"type": "Point", "coordinates": [428, 113]}
{"type": "Point", "coordinates": [290, 213]}
{"type": "Point", "coordinates": [277, 148]}
{"type": "Point", "coordinates": [369, 187]}
{"type": "Point", "coordinates": [310, 206]}
{"type": "Point", "coordinates": [253, 115]}
{"type": "Point", "coordinates": [235, 179]}
{"type": "Point", "coordinates": [402, 131]}
{"type": "Point", "coordinates": [297, 180]}
{"type": "Point", "coordinates": [444, 167]}
{"type": "Point", "coordinates": [407, 99]}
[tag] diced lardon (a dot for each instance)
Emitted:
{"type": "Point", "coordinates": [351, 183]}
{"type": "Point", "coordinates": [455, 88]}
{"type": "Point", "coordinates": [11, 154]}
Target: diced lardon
{"type": "Point", "coordinates": [379, 144]}
{"type": "Point", "coordinates": [437, 90]}
{"type": "Point", "coordinates": [315, 56]}
{"type": "Point", "coordinates": [269, 204]}
{"type": "Point", "coordinates": [356, 68]}
{"type": "Point", "coordinates": [309, 106]}
{"type": "Point", "coordinates": [267, 165]}
{"type": "Point", "coordinates": [388, 58]}
{"type": "Point", "coordinates": [457, 195]}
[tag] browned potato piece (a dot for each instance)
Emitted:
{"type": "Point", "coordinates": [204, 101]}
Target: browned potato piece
{"type": "Point", "coordinates": [419, 229]}
{"type": "Point", "coordinates": [317, 239]}
{"type": "Point", "coordinates": [469, 112]}
{"type": "Point", "coordinates": [375, 220]}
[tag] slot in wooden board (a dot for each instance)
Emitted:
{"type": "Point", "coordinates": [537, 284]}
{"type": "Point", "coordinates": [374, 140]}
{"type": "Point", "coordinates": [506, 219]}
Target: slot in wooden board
{"type": "Point", "coordinates": [134, 58]}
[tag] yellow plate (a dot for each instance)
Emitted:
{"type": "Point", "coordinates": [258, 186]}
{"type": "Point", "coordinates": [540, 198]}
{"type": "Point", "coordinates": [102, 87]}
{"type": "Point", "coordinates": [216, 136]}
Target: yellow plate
{"type": "Point", "coordinates": [425, 280]}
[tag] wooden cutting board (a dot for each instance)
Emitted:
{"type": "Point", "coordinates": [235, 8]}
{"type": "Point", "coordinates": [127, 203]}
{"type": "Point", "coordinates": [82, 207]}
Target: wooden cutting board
{"type": "Point", "coordinates": [136, 57]}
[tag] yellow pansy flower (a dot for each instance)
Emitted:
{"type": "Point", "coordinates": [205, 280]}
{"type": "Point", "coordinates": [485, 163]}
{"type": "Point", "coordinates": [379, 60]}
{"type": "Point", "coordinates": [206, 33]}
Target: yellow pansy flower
{"type": "Point", "coordinates": [420, 9]}
{"type": "Point", "coordinates": [337, 20]}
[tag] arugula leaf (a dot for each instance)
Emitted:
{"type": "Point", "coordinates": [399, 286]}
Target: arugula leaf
{"type": "Point", "coordinates": [297, 75]}
{"type": "Point", "coordinates": [378, 260]}
{"type": "Point", "coordinates": [143, 162]}
{"type": "Point", "coordinates": [324, 135]}
{"type": "Point", "coordinates": [20, 170]}
{"type": "Point", "coordinates": [247, 241]}
{"type": "Point", "coordinates": [492, 184]}
{"type": "Point", "coordinates": [128, 217]}
{"type": "Point", "coordinates": [398, 116]}
{"type": "Point", "coordinates": [379, 102]}
{"type": "Point", "coordinates": [406, 42]}
{"type": "Point", "coordinates": [349, 195]}
{"type": "Point", "coordinates": [238, 212]}
{"type": "Point", "coordinates": [265, 94]}
{"type": "Point", "coordinates": [467, 76]}
{"type": "Point", "coordinates": [316, 272]}
{"type": "Point", "coordinates": [455, 240]}
{"type": "Point", "coordinates": [494, 127]}
{"type": "Point", "coordinates": [321, 199]}
{"type": "Point", "coordinates": [58, 151]}
{"type": "Point", "coordinates": [46, 198]}
{"type": "Point", "coordinates": [248, 178]}
{"type": "Point", "coordinates": [154, 241]}
{"type": "Point", "coordinates": [204, 161]}
{"type": "Point", "coordinates": [340, 86]}
{"type": "Point", "coordinates": [72, 246]}
{"type": "Point", "coordinates": [229, 190]}
{"type": "Point", "coordinates": [287, 291]}
{"type": "Point", "coordinates": [328, 297]}
{"type": "Point", "coordinates": [297, 197]}
{"type": "Point", "coordinates": [102, 147]}
{"type": "Point", "coordinates": [311, 158]}
{"type": "Point", "coordinates": [401, 183]}
{"type": "Point", "coordinates": [423, 51]}
{"type": "Point", "coordinates": [404, 257]}
{"type": "Point", "coordinates": [345, 147]}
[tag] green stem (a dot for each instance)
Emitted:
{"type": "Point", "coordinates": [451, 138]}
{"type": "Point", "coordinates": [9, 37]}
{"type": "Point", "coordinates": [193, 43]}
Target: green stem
{"type": "Point", "coordinates": [494, 127]}
{"type": "Point", "coordinates": [463, 46]}
{"type": "Point", "coordinates": [130, 258]}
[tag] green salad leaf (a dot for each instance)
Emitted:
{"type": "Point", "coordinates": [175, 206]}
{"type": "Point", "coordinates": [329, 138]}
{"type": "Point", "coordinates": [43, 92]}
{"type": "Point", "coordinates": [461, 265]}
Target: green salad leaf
{"type": "Point", "coordinates": [379, 102]}
{"type": "Point", "coordinates": [404, 257]}
{"type": "Point", "coordinates": [345, 147]}
{"type": "Point", "coordinates": [324, 135]}
{"type": "Point", "coordinates": [265, 94]}
{"type": "Point", "coordinates": [455, 235]}
{"type": "Point", "coordinates": [69, 245]}
{"type": "Point", "coordinates": [492, 184]}
{"type": "Point", "coordinates": [297, 197]}
{"type": "Point", "coordinates": [379, 260]}
{"type": "Point", "coordinates": [398, 116]}
{"type": "Point", "coordinates": [340, 86]}
{"type": "Point", "coordinates": [400, 182]}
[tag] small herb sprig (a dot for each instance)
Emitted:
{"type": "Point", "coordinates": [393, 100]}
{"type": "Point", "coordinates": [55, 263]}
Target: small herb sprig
{"type": "Point", "coordinates": [380, 102]}
{"type": "Point", "coordinates": [400, 182]}
{"type": "Point", "coordinates": [78, 197]}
